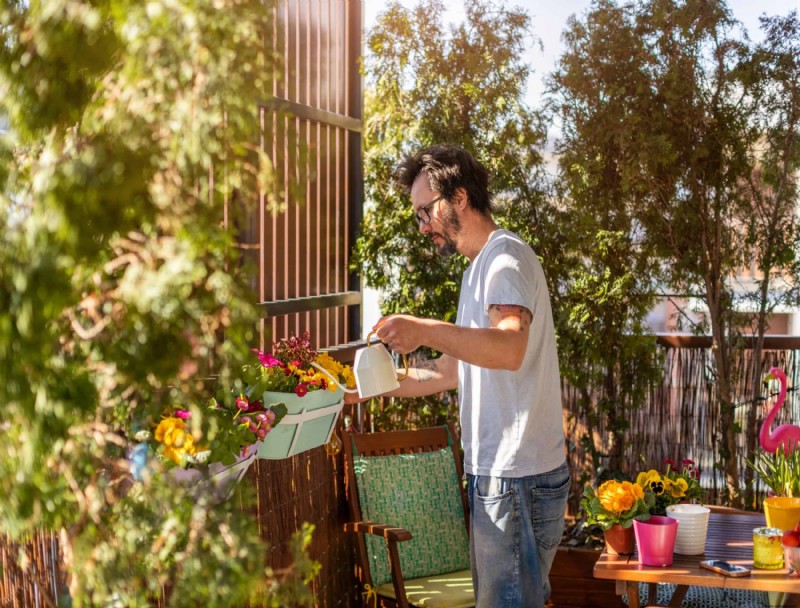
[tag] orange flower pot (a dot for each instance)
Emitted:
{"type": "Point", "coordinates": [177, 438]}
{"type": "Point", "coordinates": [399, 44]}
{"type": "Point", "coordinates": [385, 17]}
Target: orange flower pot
{"type": "Point", "coordinates": [619, 540]}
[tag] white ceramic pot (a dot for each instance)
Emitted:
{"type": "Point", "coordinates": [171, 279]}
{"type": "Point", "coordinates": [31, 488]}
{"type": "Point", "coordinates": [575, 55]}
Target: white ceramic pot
{"type": "Point", "coordinates": [692, 528]}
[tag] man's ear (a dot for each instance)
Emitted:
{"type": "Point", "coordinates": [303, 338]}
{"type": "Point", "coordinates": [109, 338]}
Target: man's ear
{"type": "Point", "coordinates": [461, 198]}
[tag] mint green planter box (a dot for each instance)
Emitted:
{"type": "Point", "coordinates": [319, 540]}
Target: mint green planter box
{"type": "Point", "coordinates": [309, 422]}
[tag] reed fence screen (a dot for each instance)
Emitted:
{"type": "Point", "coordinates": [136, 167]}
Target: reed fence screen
{"type": "Point", "coordinates": [680, 418]}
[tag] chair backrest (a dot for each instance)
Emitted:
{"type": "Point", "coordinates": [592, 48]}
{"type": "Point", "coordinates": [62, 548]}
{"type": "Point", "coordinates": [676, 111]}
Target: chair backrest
{"type": "Point", "coordinates": [412, 480]}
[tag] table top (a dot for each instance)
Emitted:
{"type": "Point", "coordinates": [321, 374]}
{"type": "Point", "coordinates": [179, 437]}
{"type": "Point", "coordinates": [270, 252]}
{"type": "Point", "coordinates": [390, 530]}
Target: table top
{"type": "Point", "coordinates": [730, 537]}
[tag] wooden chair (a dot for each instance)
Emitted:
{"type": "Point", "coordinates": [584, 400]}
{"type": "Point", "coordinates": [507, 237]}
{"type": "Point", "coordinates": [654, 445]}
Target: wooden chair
{"type": "Point", "coordinates": [409, 510]}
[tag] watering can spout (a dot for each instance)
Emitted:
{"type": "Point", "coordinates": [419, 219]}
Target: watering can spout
{"type": "Point", "coordinates": [374, 370]}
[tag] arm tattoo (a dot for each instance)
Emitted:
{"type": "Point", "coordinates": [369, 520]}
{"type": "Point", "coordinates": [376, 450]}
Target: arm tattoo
{"type": "Point", "coordinates": [525, 316]}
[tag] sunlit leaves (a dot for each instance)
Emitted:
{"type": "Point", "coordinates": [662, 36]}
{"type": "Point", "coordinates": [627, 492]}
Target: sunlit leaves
{"type": "Point", "coordinates": [132, 124]}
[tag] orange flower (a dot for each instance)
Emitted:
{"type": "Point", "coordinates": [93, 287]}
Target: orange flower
{"type": "Point", "coordinates": [618, 497]}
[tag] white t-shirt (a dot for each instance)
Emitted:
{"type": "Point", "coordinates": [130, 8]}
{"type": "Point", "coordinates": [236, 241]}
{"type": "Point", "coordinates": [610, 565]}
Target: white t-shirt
{"type": "Point", "coordinates": [511, 421]}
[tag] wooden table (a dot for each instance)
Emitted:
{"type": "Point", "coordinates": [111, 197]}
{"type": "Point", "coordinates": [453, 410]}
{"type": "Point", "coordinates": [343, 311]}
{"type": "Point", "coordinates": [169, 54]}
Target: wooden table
{"type": "Point", "coordinates": [730, 537]}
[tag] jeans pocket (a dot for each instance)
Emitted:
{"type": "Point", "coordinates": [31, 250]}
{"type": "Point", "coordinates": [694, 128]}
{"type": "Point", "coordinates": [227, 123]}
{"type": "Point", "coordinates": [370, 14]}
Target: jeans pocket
{"type": "Point", "coordinates": [489, 488]}
{"type": "Point", "coordinates": [549, 506]}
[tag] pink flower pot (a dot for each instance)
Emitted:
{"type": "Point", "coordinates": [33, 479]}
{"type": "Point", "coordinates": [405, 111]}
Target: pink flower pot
{"type": "Point", "coordinates": [655, 540]}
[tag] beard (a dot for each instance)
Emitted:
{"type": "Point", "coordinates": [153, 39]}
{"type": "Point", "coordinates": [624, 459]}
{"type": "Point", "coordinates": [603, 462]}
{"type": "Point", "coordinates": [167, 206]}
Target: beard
{"type": "Point", "coordinates": [451, 226]}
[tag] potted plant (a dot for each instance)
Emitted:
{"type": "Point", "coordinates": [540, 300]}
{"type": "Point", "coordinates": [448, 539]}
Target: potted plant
{"type": "Point", "coordinates": [673, 486]}
{"type": "Point", "coordinates": [218, 452]}
{"type": "Point", "coordinates": [310, 384]}
{"type": "Point", "coordinates": [780, 471]}
{"type": "Point", "coordinates": [613, 507]}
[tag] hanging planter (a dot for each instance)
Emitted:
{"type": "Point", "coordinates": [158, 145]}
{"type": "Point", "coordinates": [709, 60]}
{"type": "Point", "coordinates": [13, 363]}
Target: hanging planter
{"type": "Point", "coordinates": [308, 423]}
{"type": "Point", "coordinates": [220, 479]}
{"type": "Point", "coordinates": [304, 388]}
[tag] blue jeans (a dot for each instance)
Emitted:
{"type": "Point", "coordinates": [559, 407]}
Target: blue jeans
{"type": "Point", "coordinates": [515, 528]}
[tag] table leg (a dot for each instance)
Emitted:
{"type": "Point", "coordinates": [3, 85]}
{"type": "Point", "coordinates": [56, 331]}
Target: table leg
{"type": "Point", "coordinates": [678, 595]}
{"type": "Point", "coordinates": [633, 594]}
{"type": "Point", "coordinates": [777, 599]}
{"type": "Point", "coordinates": [652, 593]}
{"type": "Point", "coordinates": [792, 600]}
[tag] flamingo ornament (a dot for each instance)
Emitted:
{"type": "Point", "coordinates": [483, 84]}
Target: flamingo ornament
{"type": "Point", "coordinates": [786, 435]}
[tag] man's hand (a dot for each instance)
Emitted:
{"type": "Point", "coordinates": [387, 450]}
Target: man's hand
{"type": "Point", "coordinates": [402, 333]}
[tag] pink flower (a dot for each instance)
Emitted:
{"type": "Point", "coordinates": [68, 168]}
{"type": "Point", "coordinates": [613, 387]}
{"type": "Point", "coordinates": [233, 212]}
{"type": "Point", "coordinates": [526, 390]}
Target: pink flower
{"type": "Point", "coordinates": [266, 359]}
{"type": "Point", "coordinates": [300, 390]}
{"type": "Point", "coordinates": [182, 414]}
{"type": "Point", "coordinates": [242, 403]}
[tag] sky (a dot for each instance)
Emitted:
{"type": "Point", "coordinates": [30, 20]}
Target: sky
{"type": "Point", "coordinates": [549, 19]}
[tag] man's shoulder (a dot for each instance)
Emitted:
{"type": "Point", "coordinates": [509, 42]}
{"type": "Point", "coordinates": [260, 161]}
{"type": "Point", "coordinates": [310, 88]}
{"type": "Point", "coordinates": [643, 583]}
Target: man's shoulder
{"type": "Point", "coordinates": [506, 242]}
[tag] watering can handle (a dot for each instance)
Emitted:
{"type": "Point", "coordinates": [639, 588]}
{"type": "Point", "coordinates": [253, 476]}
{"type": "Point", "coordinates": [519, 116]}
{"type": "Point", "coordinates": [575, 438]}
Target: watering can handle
{"type": "Point", "coordinates": [405, 360]}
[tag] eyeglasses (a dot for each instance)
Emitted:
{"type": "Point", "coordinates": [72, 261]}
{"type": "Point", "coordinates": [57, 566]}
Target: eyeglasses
{"type": "Point", "coordinates": [423, 215]}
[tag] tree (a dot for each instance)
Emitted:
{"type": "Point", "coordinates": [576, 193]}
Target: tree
{"type": "Point", "coordinates": [465, 86]}
{"type": "Point", "coordinates": [771, 75]}
{"type": "Point", "coordinates": [659, 85]}
{"type": "Point", "coordinates": [607, 288]}
{"type": "Point", "coordinates": [131, 126]}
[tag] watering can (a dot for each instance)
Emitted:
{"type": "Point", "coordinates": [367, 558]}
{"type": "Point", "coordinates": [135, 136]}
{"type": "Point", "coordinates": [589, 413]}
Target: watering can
{"type": "Point", "coordinates": [375, 371]}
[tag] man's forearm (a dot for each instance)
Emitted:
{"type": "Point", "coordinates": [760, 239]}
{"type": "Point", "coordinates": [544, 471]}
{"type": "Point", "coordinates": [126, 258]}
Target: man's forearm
{"type": "Point", "coordinates": [491, 347]}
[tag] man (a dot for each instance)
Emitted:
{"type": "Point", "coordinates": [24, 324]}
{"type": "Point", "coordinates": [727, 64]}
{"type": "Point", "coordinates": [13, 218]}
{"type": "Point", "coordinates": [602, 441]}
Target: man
{"type": "Point", "coordinates": [501, 354]}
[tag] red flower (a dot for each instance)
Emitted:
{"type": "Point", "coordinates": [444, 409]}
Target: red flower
{"type": "Point", "coordinates": [300, 390]}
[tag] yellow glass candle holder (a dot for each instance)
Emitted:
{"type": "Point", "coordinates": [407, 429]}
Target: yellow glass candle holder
{"type": "Point", "coordinates": [767, 548]}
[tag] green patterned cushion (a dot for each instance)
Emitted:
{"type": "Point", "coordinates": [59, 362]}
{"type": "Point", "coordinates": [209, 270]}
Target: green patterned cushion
{"type": "Point", "coordinates": [418, 492]}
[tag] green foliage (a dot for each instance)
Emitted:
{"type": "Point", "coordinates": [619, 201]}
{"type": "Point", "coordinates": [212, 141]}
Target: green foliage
{"type": "Point", "coordinates": [607, 288]}
{"type": "Point", "coordinates": [780, 471]}
{"type": "Point", "coordinates": [132, 124]}
{"type": "Point", "coordinates": [169, 548]}
{"type": "Point", "coordinates": [675, 131]}
{"type": "Point", "coordinates": [606, 351]}
{"type": "Point", "coordinates": [464, 86]}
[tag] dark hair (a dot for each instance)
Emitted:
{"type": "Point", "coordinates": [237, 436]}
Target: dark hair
{"type": "Point", "coordinates": [448, 167]}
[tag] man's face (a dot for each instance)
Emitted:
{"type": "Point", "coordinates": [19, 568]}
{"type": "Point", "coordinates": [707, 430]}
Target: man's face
{"type": "Point", "coordinates": [435, 216]}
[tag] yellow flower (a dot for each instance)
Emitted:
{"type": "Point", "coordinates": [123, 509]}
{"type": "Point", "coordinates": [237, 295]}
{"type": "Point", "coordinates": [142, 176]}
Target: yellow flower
{"type": "Point", "coordinates": [329, 363]}
{"type": "Point", "coordinates": [677, 487]}
{"type": "Point", "coordinates": [652, 479]}
{"type": "Point", "coordinates": [178, 444]}
{"type": "Point", "coordinates": [167, 427]}
{"type": "Point", "coordinates": [342, 373]}
{"type": "Point", "coordinates": [619, 497]}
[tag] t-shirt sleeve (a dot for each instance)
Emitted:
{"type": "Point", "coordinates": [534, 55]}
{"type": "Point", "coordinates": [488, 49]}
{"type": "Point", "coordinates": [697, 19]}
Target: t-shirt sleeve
{"type": "Point", "coordinates": [507, 281]}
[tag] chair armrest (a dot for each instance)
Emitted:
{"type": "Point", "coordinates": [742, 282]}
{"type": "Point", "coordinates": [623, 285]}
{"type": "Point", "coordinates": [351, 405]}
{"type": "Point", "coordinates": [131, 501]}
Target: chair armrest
{"type": "Point", "coordinates": [392, 533]}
